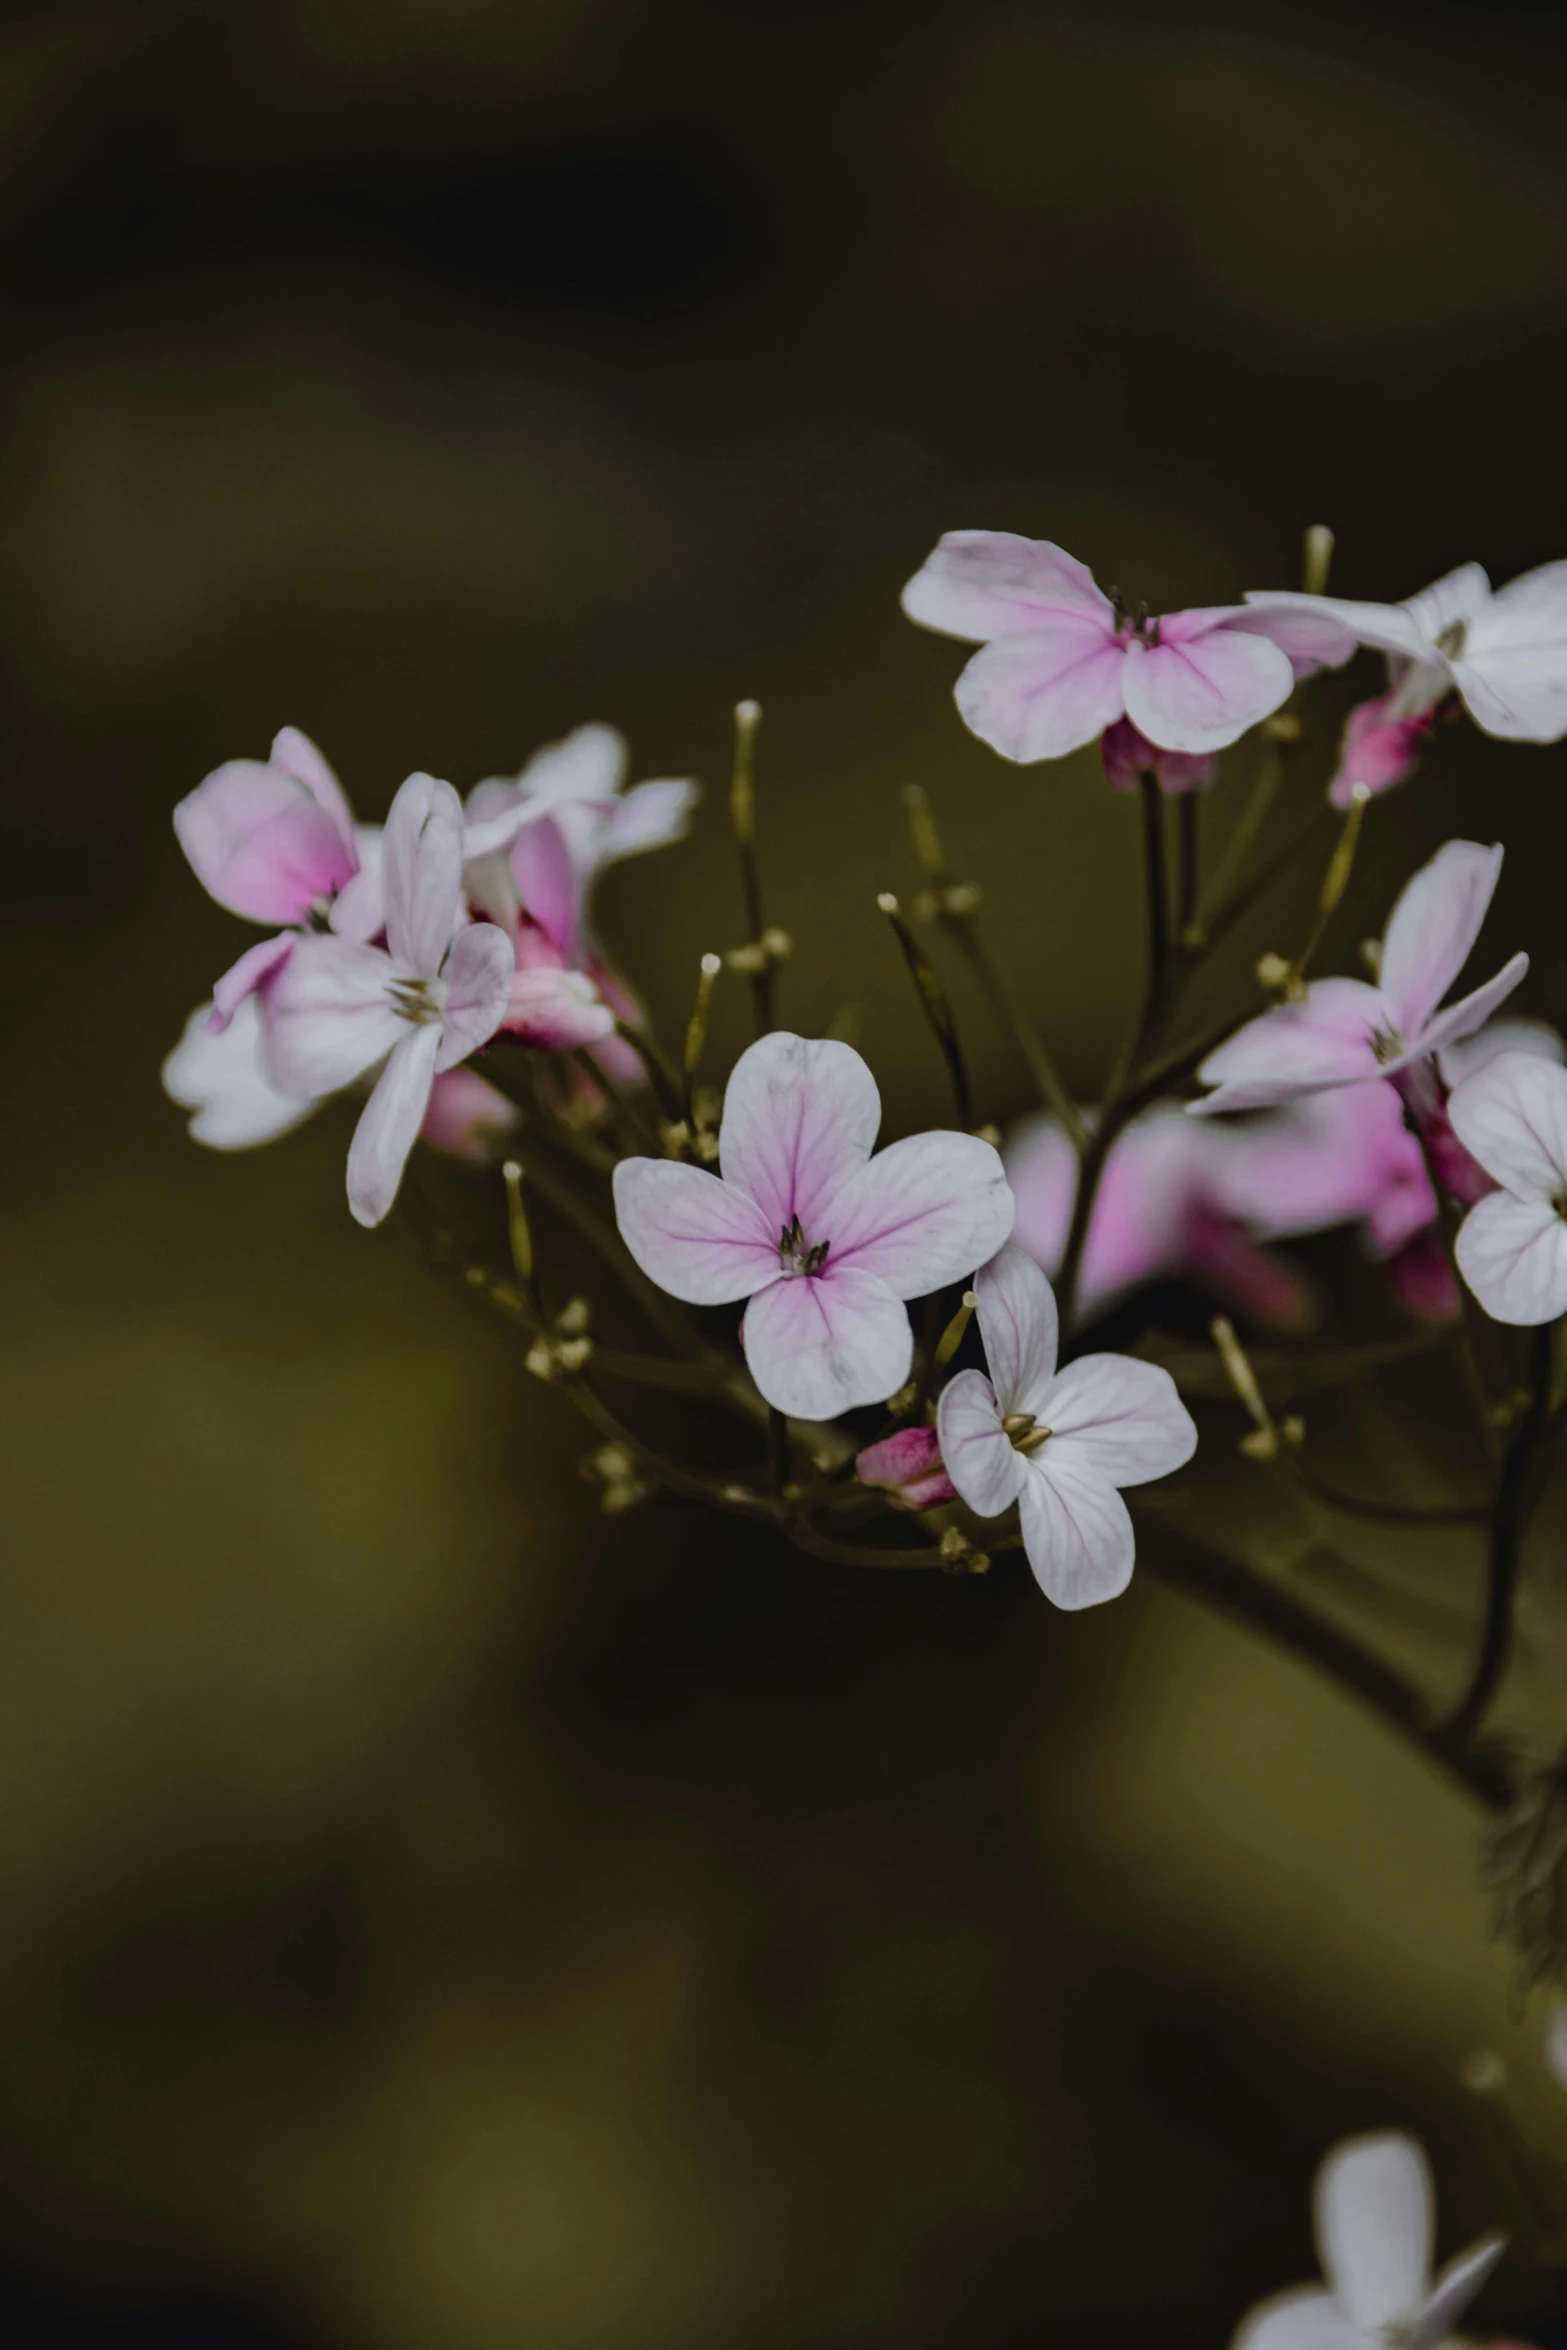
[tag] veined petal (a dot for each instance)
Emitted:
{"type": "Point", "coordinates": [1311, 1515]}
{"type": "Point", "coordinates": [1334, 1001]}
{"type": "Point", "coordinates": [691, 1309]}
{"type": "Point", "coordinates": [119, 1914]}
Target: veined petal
{"type": "Point", "coordinates": [1456, 2286]}
{"type": "Point", "coordinates": [1200, 692]}
{"type": "Point", "coordinates": [1513, 1254]}
{"type": "Point", "coordinates": [980, 1457]}
{"type": "Point", "coordinates": [1512, 666]}
{"type": "Point", "coordinates": [1297, 1049]}
{"type": "Point", "coordinates": [329, 1016]}
{"type": "Point", "coordinates": [389, 1124]}
{"type": "Point", "coordinates": [422, 873]}
{"type": "Point", "coordinates": [1474, 1053]}
{"type": "Point", "coordinates": [1041, 694]}
{"type": "Point", "coordinates": [255, 966]}
{"type": "Point", "coordinates": [1018, 1322]}
{"type": "Point", "coordinates": [261, 843]}
{"type": "Point", "coordinates": [1309, 640]}
{"type": "Point", "coordinates": [1472, 1011]}
{"type": "Point", "coordinates": [1375, 2218]}
{"type": "Point", "coordinates": [1117, 1418]}
{"type": "Point", "coordinates": [1306, 2318]}
{"type": "Point", "coordinates": [702, 1239]}
{"type": "Point", "coordinates": [800, 1116]}
{"type": "Point", "coordinates": [980, 584]}
{"type": "Point", "coordinates": [217, 1075]}
{"type": "Point", "coordinates": [820, 1344]}
{"type": "Point", "coordinates": [1076, 1531]}
{"type": "Point", "coordinates": [921, 1213]}
{"type": "Point", "coordinates": [1389, 627]}
{"type": "Point", "coordinates": [1463, 595]}
{"type": "Point", "coordinates": [549, 883]}
{"type": "Point", "coordinates": [297, 755]}
{"type": "Point", "coordinates": [478, 974]}
{"type": "Point", "coordinates": [588, 764]}
{"type": "Point", "coordinates": [1433, 927]}
{"type": "Point", "coordinates": [1511, 1115]}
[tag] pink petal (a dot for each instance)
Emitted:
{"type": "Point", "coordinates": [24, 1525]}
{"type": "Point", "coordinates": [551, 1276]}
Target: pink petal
{"type": "Point", "coordinates": [1421, 1277]}
{"type": "Point", "coordinates": [980, 584]}
{"type": "Point", "coordinates": [389, 1124]}
{"type": "Point", "coordinates": [1511, 1115]}
{"type": "Point", "coordinates": [701, 1239]}
{"type": "Point", "coordinates": [1432, 930]}
{"type": "Point", "coordinates": [922, 1213]}
{"type": "Point", "coordinates": [800, 1117]}
{"type": "Point", "coordinates": [422, 873]}
{"type": "Point", "coordinates": [1040, 695]}
{"type": "Point", "coordinates": [1472, 1011]}
{"type": "Point", "coordinates": [328, 1016]}
{"type": "Point", "coordinates": [1297, 1049]}
{"type": "Point", "coordinates": [1513, 1254]}
{"type": "Point", "coordinates": [359, 909]}
{"type": "Point", "coordinates": [908, 1466]}
{"type": "Point", "coordinates": [478, 975]}
{"type": "Point", "coordinates": [1309, 640]}
{"type": "Point", "coordinates": [261, 843]}
{"type": "Point", "coordinates": [1378, 749]}
{"type": "Point", "coordinates": [1223, 1258]}
{"type": "Point", "coordinates": [548, 884]}
{"type": "Point", "coordinates": [467, 1118]}
{"type": "Point", "coordinates": [254, 968]}
{"type": "Point", "coordinates": [1306, 2318]}
{"type": "Point", "coordinates": [1201, 692]}
{"type": "Point", "coordinates": [297, 755]}
{"type": "Point", "coordinates": [1375, 2219]}
{"type": "Point", "coordinates": [217, 1074]}
{"type": "Point", "coordinates": [562, 1012]}
{"type": "Point", "coordinates": [1076, 1531]}
{"type": "Point", "coordinates": [587, 764]}
{"type": "Point", "coordinates": [1116, 1418]}
{"type": "Point", "coordinates": [982, 1461]}
{"type": "Point", "coordinates": [821, 1345]}
{"type": "Point", "coordinates": [1017, 1321]}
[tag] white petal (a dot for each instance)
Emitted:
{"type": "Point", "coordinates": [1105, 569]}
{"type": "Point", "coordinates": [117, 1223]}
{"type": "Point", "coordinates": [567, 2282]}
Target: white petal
{"type": "Point", "coordinates": [1297, 1049]}
{"type": "Point", "coordinates": [980, 584]}
{"type": "Point", "coordinates": [1512, 669]}
{"type": "Point", "coordinates": [1043, 693]}
{"type": "Point", "coordinates": [976, 1452]}
{"type": "Point", "coordinates": [478, 975]}
{"type": "Point", "coordinates": [1472, 1011]}
{"type": "Point", "coordinates": [1389, 627]}
{"type": "Point", "coordinates": [1511, 1115]}
{"type": "Point", "coordinates": [649, 817]}
{"type": "Point", "coordinates": [1201, 692]}
{"type": "Point", "coordinates": [389, 1124]}
{"type": "Point", "coordinates": [701, 1239]}
{"type": "Point", "coordinates": [328, 1016]}
{"type": "Point", "coordinates": [1375, 2218]}
{"type": "Point", "coordinates": [1456, 2286]}
{"type": "Point", "coordinates": [422, 873]}
{"type": "Point", "coordinates": [921, 1213]}
{"type": "Point", "coordinates": [1513, 1254]}
{"type": "Point", "coordinates": [217, 1074]}
{"type": "Point", "coordinates": [800, 1116]}
{"type": "Point", "coordinates": [1305, 2318]}
{"type": "Point", "coordinates": [1459, 595]}
{"type": "Point", "coordinates": [1020, 1327]}
{"type": "Point", "coordinates": [1118, 1418]}
{"type": "Point", "coordinates": [1432, 929]}
{"type": "Point", "coordinates": [1076, 1531]}
{"type": "Point", "coordinates": [820, 1346]}
{"type": "Point", "coordinates": [587, 764]}
{"type": "Point", "coordinates": [1474, 1053]}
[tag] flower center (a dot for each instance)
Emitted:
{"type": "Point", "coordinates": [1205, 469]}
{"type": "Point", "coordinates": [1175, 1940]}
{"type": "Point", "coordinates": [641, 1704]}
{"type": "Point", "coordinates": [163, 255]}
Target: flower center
{"type": "Point", "coordinates": [795, 1255]}
{"type": "Point", "coordinates": [1136, 624]}
{"type": "Point", "coordinates": [1387, 1044]}
{"type": "Point", "coordinates": [1451, 640]}
{"type": "Point", "coordinates": [420, 1001]}
{"type": "Point", "coordinates": [1023, 1431]}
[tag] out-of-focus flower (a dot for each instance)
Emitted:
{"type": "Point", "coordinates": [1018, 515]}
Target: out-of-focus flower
{"type": "Point", "coordinates": [907, 1467]}
{"type": "Point", "coordinates": [216, 1073]}
{"type": "Point", "coordinates": [1347, 1032]}
{"type": "Point", "coordinates": [338, 1010]}
{"type": "Point", "coordinates": [468, 1118]}
{"type": "Point", "coordinates": [1375, 2214]}
{"type": "Point", "coordinates": [1511, 1116]}
{"type": "Point", "coordinates": [823, 1239]}
{"type": "Point", "coordinates": [1504, 654]}
{"type": "Point", "coordinates": [1127, 754]}
{"type": "Point", "coordinates": [1058, 1443]}
{"type": "Point", "coordinates": [1381, 746]}
{"type": "Point", "coordinates": [1062, 662]}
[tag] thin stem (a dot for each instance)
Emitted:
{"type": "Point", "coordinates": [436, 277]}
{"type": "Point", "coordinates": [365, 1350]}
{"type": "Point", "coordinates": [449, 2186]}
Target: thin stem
{"type": "Point", "coordinates": [1243, 833]}
{"type": "Point", "coordinates": [1158, 906]}
{"type": "Point", "coordinates": [1508, 1524]}
{"type": "Point", "coordinates": [858, 1554]}
{"type": "Point", "coordinates": [742, 816]}
{"type": "Point", "coordinates": [663, 1076]}
{"type": "Point", "coordinates": [1187, 808]}
{"type": "Point", "coordinates": [1011, 1015]}
{"type": "Point", "coordinates": [935, 1005]}
{"type": "Point", "coordinates": [1466, 1340]}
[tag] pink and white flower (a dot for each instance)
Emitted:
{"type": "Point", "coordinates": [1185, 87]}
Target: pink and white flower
{"type": "Point", "coordinates": [216, 1073]}
{"type": "Point", "coordinates": [1381, 746]}
{"type": "Point", "coordinates": [1504, 653]}
{"type": "Point", "coordinates": [907, 1467]}
{"type": "Point", "coordinates": [1375, 2214]}
{"type": "Point", "coordinates": [339, 1009]}
{"type": "Point", "coordinates": [1058, 1443]}
{"type": "Point", "coordinates": [1062, 662]}
{"type": "Point", "coordinates": [1511, 1116]}
{"type": "Point", "coordinates": [825, 1241]}
{"type": "Point", "coordinates": [1348, 1032]}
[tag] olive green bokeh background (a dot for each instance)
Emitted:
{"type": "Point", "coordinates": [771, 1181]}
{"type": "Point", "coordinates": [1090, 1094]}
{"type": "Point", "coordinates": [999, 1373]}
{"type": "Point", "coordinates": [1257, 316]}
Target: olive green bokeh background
{"type": "Point", "coordinates": [436, 1917]}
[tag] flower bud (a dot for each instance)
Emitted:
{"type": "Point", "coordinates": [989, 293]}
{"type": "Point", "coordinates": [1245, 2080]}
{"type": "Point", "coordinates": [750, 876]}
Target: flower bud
{"type": "Point", "coordinates": [907, 1467]}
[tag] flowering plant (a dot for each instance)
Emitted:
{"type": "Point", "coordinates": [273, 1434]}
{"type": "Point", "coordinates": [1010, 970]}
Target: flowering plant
{"type": "Point", "coordinates": [757, 1254]}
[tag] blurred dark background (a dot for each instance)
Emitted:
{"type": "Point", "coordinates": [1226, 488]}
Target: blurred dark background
{"type": "Point", "coordinates": [436, 1917]}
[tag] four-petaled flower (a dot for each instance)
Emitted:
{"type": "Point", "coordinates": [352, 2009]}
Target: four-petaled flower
{"type": "Point", "coordinates": [1504, 654]}
{"type": "Point", "coordinates": [1058, 1443]}
{"type": "Point", "coordinates": [1062, 662]}
{"type": "Point", "coordinates": [1346, 1031]}
{"type": "Point", "coordinates": [421, 1004]}
{"type": "Point", "coordinates": [824, 1240]}
{"type": "Point", "coordinates": [1375, 2220]}
{"type": "Point", "coordinates": [1511, 1116]}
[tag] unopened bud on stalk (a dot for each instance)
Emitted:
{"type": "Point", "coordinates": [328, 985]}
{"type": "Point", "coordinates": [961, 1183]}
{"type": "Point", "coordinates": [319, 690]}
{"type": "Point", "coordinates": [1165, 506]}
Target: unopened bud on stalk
{"type": "Point", "coordinates": [1268, 1437]}
{"type": "Point", "coordinates": [696, 1031]}
{"type": "Point", "coordinates": [742, 795]}
{"type": "Point", "coordinates": [1342, 863]}
{"type": "Point", "coordinates": [517, 1226]}
{"type": "Point", "coordinates": [957, 1556]}
{"type": "Point", "coordinates": [1318, 559]}
{"type": "Point", "coordinates": [952, 1337]}
{"type": "Point", "coordinates": [927, 840]}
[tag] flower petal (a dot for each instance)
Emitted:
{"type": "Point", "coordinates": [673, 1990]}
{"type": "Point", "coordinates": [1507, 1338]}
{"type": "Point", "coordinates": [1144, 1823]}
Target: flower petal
{"type": "Point", "coordinates": [800, 1117]}
{"type": "Point", "coordinates": [297, 755]}
{"type": "Point", "coordinates": [1199, 692]}
{"type": "Point", "coordinates": [701, 1239]}
{"type": "Point", "coordinates": [1121, 1419]}
{"type": "Point", "coordinates": [1018, 1322]}
{"type": "Point", "coordinates": [1076, 1530]}
{"type": "Point", "coordinates": [1458, 595]}
{"type": "Point", "coordinates": [359, 909]}
{"type": "Point", "coordinates": [549, 884]}
{"type": "Point", "coordinates": [1432, 930]}
{"type": "Point", "coordinates": [217, 1074]}
{"type": "Point", "coordinates": [1512, 667]}
{"type": "Point", "coordinates": [650, 816]}
{"type": "Point", "coordinates": [1472, 1011]}
{"type": "Point", "coordinates": [261, 843]}
{"type": "Point", "coordinates": [1042, 693]}
{"type": "Point", "coordinates": [1309, 640]}
{"type": "Point", "coordinates": [908, 1466]}
{"type": "Point", "coordinates": [980, 1457]}
{"type": "Point", "coordinates": [1389, 627]}
{"type": "Point", "coordinates": [255, 966]}
{"type": "Point", "coordinates": [422, 873]}
{"type": "Point", "coordinates": [1511, 1115]}
{"type": "Point", "coordinates": [328, 1016]}
{"type": "Point", "coordinates": [389, 1124]}
{"type": "Point", "coordinates": [980, 584]}
{"type": "Point", "coordinates": [468, 1118]}
{"type": "Point", "coordinates": [1459, 2281]}
{"type": "Point", "coordinates": [1375, 2217]}
{"type": "Point", "coordinates": [1297, 1049]}
{"type": "Point", "coordinates": [587, 764]}
{"type": "Point", "coordinates": [818, 1345]}
{"type": "Point", "coordinates": [478, 975]}
{"type": "Point", "coordinates": [1487, 1044]}
{"type": "Point", "coordinates": [1513, 1254]}
{"type": "Point", "coordinates": [1305, 2318]}
{"type": "Point", "coordinates": [921, 1213]}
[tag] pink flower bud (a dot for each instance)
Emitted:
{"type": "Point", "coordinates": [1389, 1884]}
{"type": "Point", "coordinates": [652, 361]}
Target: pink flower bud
{"type": "Point", "coordinates": [1127, 754]}
{"type": "Point", "coordinates": [1378, 750]}
{"type": "Point", "coordinates": [908, 1468]}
